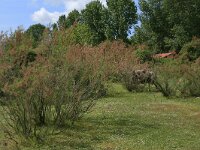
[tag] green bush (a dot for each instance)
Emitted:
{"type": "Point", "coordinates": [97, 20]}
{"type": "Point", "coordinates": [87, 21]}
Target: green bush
{"type": "Point", "coordinates": [144, 55]}
{"type": "Point", "coordinates": [165, 81]}
{"type": "Point", "coordinates": [178, 80]}
{"type": "Point", "coordinates": [191, 50]}
{"type": "Point", "coordinates": [192, 81]}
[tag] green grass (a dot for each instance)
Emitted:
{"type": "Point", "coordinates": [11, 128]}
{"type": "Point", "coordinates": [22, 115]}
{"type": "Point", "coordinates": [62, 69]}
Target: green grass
{"type": "Point", "coordinates": [132, 121]}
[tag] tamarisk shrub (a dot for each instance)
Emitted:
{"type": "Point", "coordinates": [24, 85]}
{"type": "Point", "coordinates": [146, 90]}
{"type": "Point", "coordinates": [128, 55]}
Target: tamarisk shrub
{"type": "Point", "coordinates": [191, 75]}
{"type": "Point", "coordinates": [50, 92]}
{"type": "Point", "coordinates": [166, 80]}
{"type": "Point", "coordinates": [75, 87]}
{"type": "Point", "coordinates": [112, 56]}
{"type": "Point", "coordinates": [178, 80]}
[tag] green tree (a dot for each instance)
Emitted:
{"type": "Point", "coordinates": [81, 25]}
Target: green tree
{"type": "Point", "coordinates": [62, 22]}
{"type": "Point", "coordinates": [184, 13]}
{"type": "Point", "coordinates": [36, 33]}
{"type": "Point", "coordinates": [122, 16]}
{"type": "Point", "coordinates": [54, 27]}
{"type": "Point", "coordinates": [168, 24]}
{"type": "Point", "coordinates": [154, 23]}
{"type": "Point", "coordinates": [93, 16]}
{"type": "Point", "coordinates": [72, 18]}
{"type": "Point", "coordinates": [82, 35]}
{"type": "Point", "coordinates": [177, 38]}
{"type": "Point", "coordinates": [184, 18]}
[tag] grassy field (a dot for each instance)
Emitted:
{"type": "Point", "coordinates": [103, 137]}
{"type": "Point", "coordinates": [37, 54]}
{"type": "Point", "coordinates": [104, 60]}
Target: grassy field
{"type": "Point", "coordinates": [132, 121]}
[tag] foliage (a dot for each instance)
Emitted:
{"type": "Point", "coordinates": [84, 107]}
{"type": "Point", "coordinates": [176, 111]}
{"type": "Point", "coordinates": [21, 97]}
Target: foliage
{"type": "Point", "coordinates": [166, 80]}
{"type": "Point", "coordinates": [154, 23]}
{"type": "Point", "coordinates": [62, 22]}
{"type": "Point", "coordinates": [122, 16]}
{"type": "Point", "coordinates": [178, 39]}
{"type": "Point", "coordinates": [93, 16]}
{"type": "Point", "coordinates": [140, 36]}
{"type": "Point", "coordinates": [54, 27]}
{"type": "Point", "coordinates": [82, 35]}
{"type": "Point", "coordinates": [144, 54]}
{"type": "Point", "coordinates": [73, 17]}
{"type": "Point", "coordinates": [177, 16]}
{"type": "Point", "coordinates": [36, 32]}
{"type": "Point", "coordinates": [3, 39]}
{"type": "Point", "coordinates": [167, 23]}
{"type": "Point", "coordinates": [178, 80]}
{"type": "Point", "coordinates": [110, 23]}
{"type": "Point", "coordinates": [191, 50]}
{"type": "Point", "coordinates": [49, 92]}
{"type": "Point", "coordinates": [51, 77]}
{"type": "Point", "coordinates": [111, 57]}
{"type": "Point", "coordinates": [56, 42]}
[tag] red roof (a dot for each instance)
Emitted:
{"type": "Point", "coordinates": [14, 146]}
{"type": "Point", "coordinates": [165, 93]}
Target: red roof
{"type": "Point", "coordinates": [164, 55]}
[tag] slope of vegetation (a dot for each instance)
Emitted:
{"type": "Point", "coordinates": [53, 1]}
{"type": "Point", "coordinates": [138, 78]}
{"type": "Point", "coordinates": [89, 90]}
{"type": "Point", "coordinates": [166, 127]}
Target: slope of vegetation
{"type": "Point", "coordinates": [132, 121]}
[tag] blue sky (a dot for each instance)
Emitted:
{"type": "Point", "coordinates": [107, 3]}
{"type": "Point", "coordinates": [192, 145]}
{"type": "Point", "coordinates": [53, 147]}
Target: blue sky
{"type": "Point", "coordinates": [14, 13]}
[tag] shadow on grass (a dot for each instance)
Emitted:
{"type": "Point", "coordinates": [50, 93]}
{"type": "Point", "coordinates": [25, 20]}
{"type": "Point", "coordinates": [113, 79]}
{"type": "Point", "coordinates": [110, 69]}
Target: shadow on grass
{"type": "Point", "coordinates": [90, 132]}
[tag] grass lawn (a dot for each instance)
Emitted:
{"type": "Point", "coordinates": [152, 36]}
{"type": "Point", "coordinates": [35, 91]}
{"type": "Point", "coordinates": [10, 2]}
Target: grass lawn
{"type": "Point", "coordinates": [132, 121]}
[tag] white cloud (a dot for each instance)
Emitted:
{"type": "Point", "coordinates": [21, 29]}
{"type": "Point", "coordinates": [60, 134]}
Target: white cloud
{"type": "Point", "coordinates": [45, 17]}
{"type": "Point", "coordinates": [71, 4]}
{"type": "Point", "coordinates": [77, 4]}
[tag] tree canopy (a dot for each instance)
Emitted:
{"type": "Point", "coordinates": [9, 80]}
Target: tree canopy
{"type": "Point", "coordinates": [93, 16]}
{"type": "Point", "coordinates": [36, 32]}
{"type": "Point", "coordinates": [123, 15]}
{"type": "Point", "coordinates": [164, 25]}
{"type": "Point", "coordinates": [168, 24]}
{"type": "Point", "coordinates": [72, 17]}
